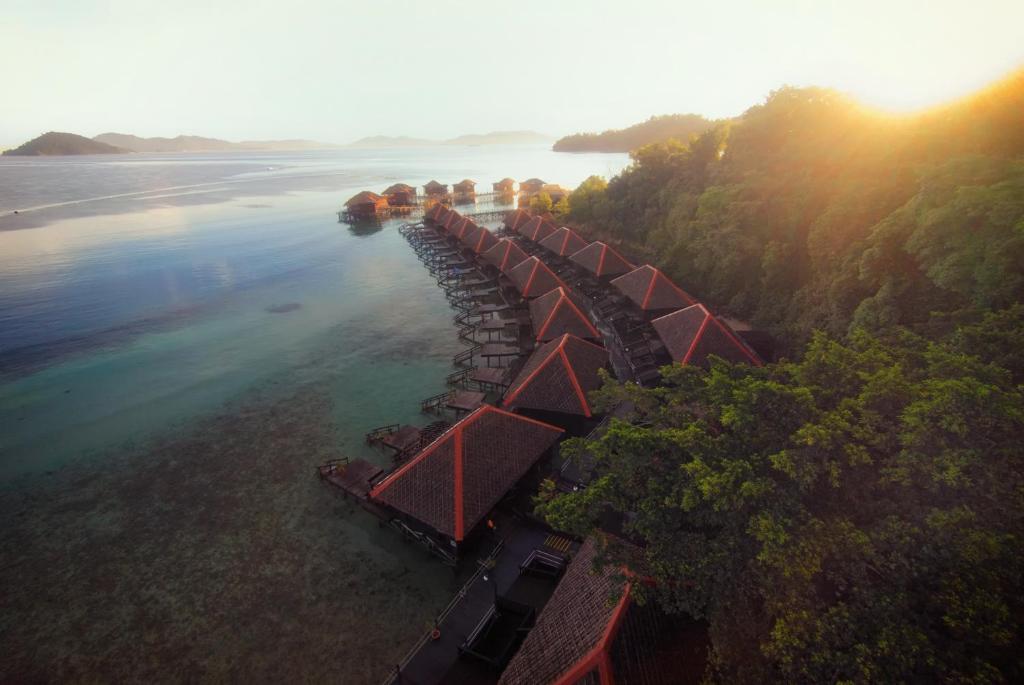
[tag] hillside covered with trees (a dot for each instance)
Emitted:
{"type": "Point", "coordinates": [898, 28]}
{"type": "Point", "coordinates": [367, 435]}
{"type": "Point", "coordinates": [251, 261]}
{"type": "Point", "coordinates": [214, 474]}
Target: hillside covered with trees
{"type": "Point", "coordinates": [57, 143]}
{"type": "Point", "coordinates": [654, 130]}
{"type": "Point", "coordinates": [855, 512]}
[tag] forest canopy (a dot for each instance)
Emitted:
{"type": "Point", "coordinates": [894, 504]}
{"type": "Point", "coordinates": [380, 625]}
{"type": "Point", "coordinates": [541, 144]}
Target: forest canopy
{"type": "Point", "coordinates": [654, 130]}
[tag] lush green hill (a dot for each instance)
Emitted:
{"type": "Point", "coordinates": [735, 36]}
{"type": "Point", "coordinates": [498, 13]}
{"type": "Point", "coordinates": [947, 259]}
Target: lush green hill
{"type": "Point", "coordinates": [55, 143]}
{"type": "Point", "coordinates": [656, 129]}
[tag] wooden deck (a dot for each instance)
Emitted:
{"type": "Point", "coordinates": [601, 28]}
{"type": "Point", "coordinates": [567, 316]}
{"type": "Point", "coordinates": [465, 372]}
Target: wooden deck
{"type": "Point", "coordinates": [465, 400]}
{"type": "Point", "coordinates": [402, 439]}
{"type": "Point", "coordinates": [355, 477]}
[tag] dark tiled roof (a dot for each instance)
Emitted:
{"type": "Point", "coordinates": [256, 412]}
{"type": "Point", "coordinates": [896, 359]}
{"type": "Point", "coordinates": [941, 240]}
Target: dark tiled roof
{"type": "Point", "coordinates": [399, 188]}
{"type": "Point", "coordinates": [533, 278]}
{"type": "Point", "coordinates": [451, 220]}
{"type": "Point", "coordinates": [435, 212]}
{"type": "Point", "coordinates": [532, 182]}
{"type": "Point", "coordinates": [558, 376]}
{"type": "Point", "coordinates": [464, 185]}
{"type": "Point", "coordinates": [563, 242]}
{"type": "Point", "coordinates": [364, 198]}
{"type": "Point", "coordinates": [576, 628]}
{"type": "Point", "coordinates": [652, 290]}
{"type": "Point", "coordinates": [536, 229]}
{"type": "Point", "coordinates": [691, 334]}
{"type": "Point", "coordinates": [601, 260]}
{"type": "Point", "coordinates": [555, 313]}
{"type": "Point", "coordinates": [464, 228]}
{"type": "Point", "coordinates": [458, 478]}
{"type": "Point", "coordinates": [435, 187]}
{"type": "Point", "coordinates": [504, 255]}
{"type": "Point", "coordinates": [482, 240]}
{"type": "Point", "coordinates": [504, 184]}
{"type": "Point", "coordinates": [515, 219]}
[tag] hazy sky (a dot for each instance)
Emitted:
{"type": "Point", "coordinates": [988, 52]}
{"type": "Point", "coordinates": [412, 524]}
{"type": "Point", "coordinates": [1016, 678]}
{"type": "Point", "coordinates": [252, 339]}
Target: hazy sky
{"type": "Point", "coordinates": [337, 71]}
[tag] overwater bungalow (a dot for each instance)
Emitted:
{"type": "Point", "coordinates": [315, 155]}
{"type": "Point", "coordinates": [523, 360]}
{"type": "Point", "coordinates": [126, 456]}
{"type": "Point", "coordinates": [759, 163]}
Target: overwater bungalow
{"type": "Point", "coordinates": [582, 638]}
{"type": "Point", "coordinates": [555, 314]}
{"type": "Point", "coordinates": [366, 205]}
{"type": "Point", "coordinates": [537, 229]}
{"type": "Point", "coordinates": [446, 490]}
{"type": "Point", "coordinates": [556, 379]}
{"type": "Point", "coordinates": [652, 291]}
{"type": "Point", "coordinates": [504, 255]}
{"type": "Point", "coordinates": [601, 260]}
{"type": "Point", "coordinates": [692, 334]}
{"type": "Point", "coordinates": [505, 186]}
{"type": "Point", "coordinates": [400, 195]}
{"type": "Point", "coordinates": [563, 242]}
{"type": "Point", "coordinates": [464, 192]}
{"type": "Point", "coordinates": [532, 278]}
{"type": "Point", "coordinates": [528, 189]}
{"type": "Point", "coordinates": [555, 192]}
{"type": "Point", "coordinates": [436, 191]}
{"type": "Point", "coordinates": [516, 218]}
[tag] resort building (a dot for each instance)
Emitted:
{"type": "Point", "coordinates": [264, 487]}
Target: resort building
{"type": "Point", "coordinates": [464, 191]}
{"type": "Point", "coordinates": [532, 278]}
{"type": "Point", "coordinates": [563, 242]}
{"type": "Point", "coordinates": [556, 379]}
{"type": "Point", "coordinates": [554, 314]}
{"type": "Point", "coordinates": [537, 229]}
{"type": "Point", "coordinates": [528, 189]}
{"type": "Point", "coordinates": [451, 220]}
{"type": "Point", "coordinates": [514, 219]}
{"type": "Point", "coordinates": [505, 186]}
{"type": "Point", "coordinates": [601, 260]}
{"type": "Point", "coordinates": [366, 205]}
{"type": "Point", "coordinates": [504, 255]}
{"type": "Point", "coordinates": [652, 291]}
{"type": "Point", "coordinates": [692, 334]}
{"type": "Point", "coordinates": [436, 191]}
{"type": "Point", "coordinates": [400, 195]}
{"type": "Point", "coordinates": [555, 192]}
{"type": "Point", "coordinates": [447, 489]}
{"type": "Point", "coordinates": [478, 239]}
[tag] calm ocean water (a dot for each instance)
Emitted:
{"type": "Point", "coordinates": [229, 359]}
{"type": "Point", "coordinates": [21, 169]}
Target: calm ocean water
{"type": "Point", "coordinates": [182, 339]}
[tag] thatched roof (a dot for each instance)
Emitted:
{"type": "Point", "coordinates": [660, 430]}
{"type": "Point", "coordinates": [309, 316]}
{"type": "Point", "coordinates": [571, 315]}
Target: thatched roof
{"type": "Point", "coordinates": [564, 242]}
{"type": "Point", "coordinates": [558, 376]}
{"type": "Point", "coordinates": [453, 482]}
{"type": "Point", "coordinates": [537, 229]}
{"type": "Point", "coordinates": [555, 313]}
{"type": "Point", "coordinates": [651, 290]}
{"type": "Point", "coordinates": [513, 220]}
{"type": "Point", "coordinates": [433, 187]}
{"type": "Point", "coordinates": [365, 197]}
{"type": "Point", "coordinates": [591, 631]}
{"type": "Point", "coordinates": [504, 255]}
{"type": "Point", "coordinates": [465, 185]}
{"type": "Point", "coordinates": [691, 334]}
{"type": "Point", "coordinates": [399, 188]}
{"type": "Point", "coordinates": [533, 278]}
{"type": "Point", "coordinates": [601, 260]}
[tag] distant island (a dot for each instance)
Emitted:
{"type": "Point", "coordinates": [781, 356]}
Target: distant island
{"type": "Point", "coordinates": [201, 144]}
{"type": "Point", "coordinates": [654, 130]}
{"type": "Point", "coordinates": [492, 138]}
{"type": "Point", "coordinates": [57, 143]}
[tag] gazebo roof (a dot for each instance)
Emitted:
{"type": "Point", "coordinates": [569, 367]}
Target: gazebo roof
{"type": "Point", "coordinates": [516, 218]}
{"type": "Point", "coordinates": [601, 260]}
{"type": "Point", "coordinates": [464, 184]}
{"type": "Point", "coordinates": [591, 631]}
{"type": "Point", "coordinates": [652, 290]}
{"type": "Point", "coordinates": [399, 188]}
{"type": "Point", "coordinates": [504, 255]}
{"type": "Point", "coordinates": [564, 242]}
{"type": "Point", "coordinates": [533, 278]}
{"type": "Point", "coordinates": [537, 229]}
{"type": "Point", "coordinates": [434, 186]}
{"type": "Point", "coordinates": [365, 197]}
{"type": "Point", "coordinates": [558, 376]}
{"type": "Point", "coordinates": [453, 482]}
{"type": "Point", "coordinates": [554, 313]}
{"type": "Point", "coordinates": [691, 334]}
{"type": "Point", "coordinates": [532, 182]}
{"type": "Point", "coordinates": [505, 182]}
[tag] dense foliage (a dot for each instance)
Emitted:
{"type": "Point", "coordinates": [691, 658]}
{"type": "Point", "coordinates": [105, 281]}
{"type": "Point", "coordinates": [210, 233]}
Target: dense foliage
{"type": "Point", "coordinates": [56, 143]}
{"type": "Point", "coordinates": [855, 515]}
{"type": "Point", "coordinates": [654, 130]}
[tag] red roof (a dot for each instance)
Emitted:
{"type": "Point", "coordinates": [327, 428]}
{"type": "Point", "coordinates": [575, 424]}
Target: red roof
{"type": "Point", "coordinates": [554, 313]}
{"type": "Point", "coordinates": [564, 242]}
{"type": "Point", "coordinates": [652, 290]}
{"type": "Point", "coordinates": [533, 278]}
{"type": "Point", "coordinates": [558, 376]}
{"type": "Point", "coordinates": [434, 212]}
{"type": "Point", "coordinates": [601, 260]}
{"type": "Point", "coordinates": [464, 228]}
{"type": "Point", "coordinates": [451, 220]}
{"type": "Point", "coordinates": [536, 229]}
{"type": "Point", "coordinates": [481, 240]}
{"type": "Point", "coordinates": [513, 220]}
{"type": "Point", "coordinates": [691, 334]}
{"type": "Point", "coordinates": [458, 478]}
{"type": "Point", "coordinates": [504, 255]}
{"type": "Point", "coordinates": [365, 197]}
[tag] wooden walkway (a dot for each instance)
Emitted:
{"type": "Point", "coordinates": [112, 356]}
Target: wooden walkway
{"type": "Point", "coordinates": [354, 477]}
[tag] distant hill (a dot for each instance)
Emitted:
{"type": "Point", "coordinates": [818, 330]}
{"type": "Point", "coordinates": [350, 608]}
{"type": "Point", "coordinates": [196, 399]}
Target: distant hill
{"type": "Point", "coordinates": [57, 143]}
{"type": "Point", "coordinates": [492, 138]}
{"type": "Point", "coordinates": [655, 129]}
{"type": "Point", "coordinates": [201, 144]}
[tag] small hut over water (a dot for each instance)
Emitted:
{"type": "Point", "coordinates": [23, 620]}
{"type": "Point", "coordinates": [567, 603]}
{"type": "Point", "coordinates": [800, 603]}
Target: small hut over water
{"type": "Point", "coordinates": [601, 260]}
{"type": "Point", "coordinates": [528, 189]}
{"type": "Point", "coordinates": [464, 191]}
{"type": "Point", "coordinates": [537, 229]}
{"type": "Point", "coordinates": [532, 278]}
{"type": "Point", "coordinates": [554, 314]}
{"type": "Point", "coordinates": [400, 195]}
{"type": "Point", "coordinates": [555, 192]}
{"type": "Point", "coordinates": [692, 334]}
{"type": "Point", "coordinates": [366, 205]}
{"type": "Point", "coordinates": [652, 291]}
{"type": "Point", "coordinates": [504, 255]}
{"type": "Point", "coordinates": [557, 377]}
{"type": "Point", "coordinates": [505, 186]}
{"type": "Point", "coordinates": [563, 242]}
{"type": "Point", "coordinates": [438, 192]}
{"type": "Point", "coordinates": [583, 638]}
{"type": "Point", "coordinates": [447, 489]}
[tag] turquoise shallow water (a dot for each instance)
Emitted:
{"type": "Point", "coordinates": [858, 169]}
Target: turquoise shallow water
{"type": "Point", "coordinates": [182, 340]}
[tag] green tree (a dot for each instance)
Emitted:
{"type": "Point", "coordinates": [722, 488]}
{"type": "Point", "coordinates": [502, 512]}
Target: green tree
{"type": "Point", "coordinates": [540, 203]}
